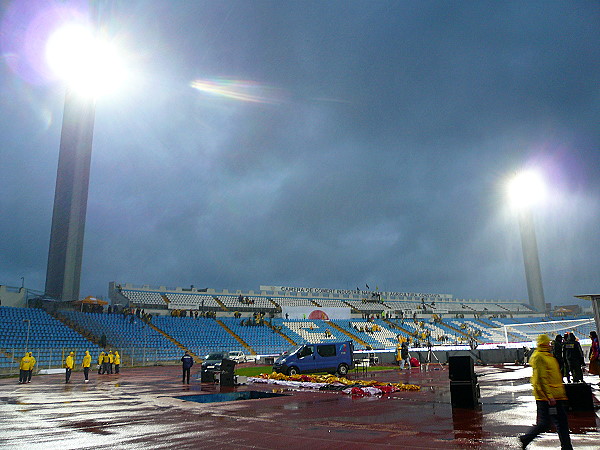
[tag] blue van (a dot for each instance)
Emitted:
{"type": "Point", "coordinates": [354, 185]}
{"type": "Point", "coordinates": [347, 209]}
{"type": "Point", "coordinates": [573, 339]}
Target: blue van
{"type": "Point", "coordinates": [332, 357]}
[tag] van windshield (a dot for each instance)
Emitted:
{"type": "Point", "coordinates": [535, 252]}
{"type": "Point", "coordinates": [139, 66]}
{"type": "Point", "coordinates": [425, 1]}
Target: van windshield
{"type": "Point", "coordinates": [292, 350]}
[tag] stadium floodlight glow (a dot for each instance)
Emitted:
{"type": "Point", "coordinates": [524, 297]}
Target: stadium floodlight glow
{"type": "Point", "coordinates": [90, 65]}
{"type": "Point", "coordinates": [526, 189]}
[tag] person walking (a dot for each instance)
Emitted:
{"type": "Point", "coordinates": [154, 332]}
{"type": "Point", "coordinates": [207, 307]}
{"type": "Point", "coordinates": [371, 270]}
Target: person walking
{"type": "Point", "coordinates": [594, 355]}
{"type": "Point", "coordinates": [550, 395]}
{"type": "Point", "coordinates": [69, 364]}
{"type": "Point", "coordinates": [186, 362]}
{"type": "Point", "coordinates": [405, 356]}
{"type": "Point", "coordinates": [117, 361]}
{"type": "Point", "coordinates": [24, 368]}
{"type": "Point", "coordinates": [31, 366]}
{"type": "Point", "coordinates": [86, 363]}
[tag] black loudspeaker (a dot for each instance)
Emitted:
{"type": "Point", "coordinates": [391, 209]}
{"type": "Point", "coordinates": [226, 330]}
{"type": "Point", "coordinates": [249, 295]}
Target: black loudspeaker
{"type": "Point", "coordinates": [207, 376]}
{"type": "Point", "coordinates": [464, 394]}
{"type": "Point", "coordinates": [227, 373]}
{"type": "Point", "coordinates": [462, 369]}
{"type": "Point", "coordinates": [580, 396]}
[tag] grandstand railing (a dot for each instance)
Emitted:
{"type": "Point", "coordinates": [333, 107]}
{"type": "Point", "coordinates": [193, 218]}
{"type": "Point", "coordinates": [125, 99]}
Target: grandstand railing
{"type": "Point", "coordinates": [53, 358]}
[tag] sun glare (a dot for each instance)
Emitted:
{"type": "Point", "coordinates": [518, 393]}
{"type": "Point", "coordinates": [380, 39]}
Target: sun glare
{"type": "Point", "coordinates": [526, 189]}
{"type": "Point", "coordinates": [89, 65]}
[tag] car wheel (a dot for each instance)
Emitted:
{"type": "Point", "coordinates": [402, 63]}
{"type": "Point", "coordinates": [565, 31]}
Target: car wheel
{"type": "Point", "coordinates": [342, 370]}
{"type": "Point", "coordinates": [293, 371]}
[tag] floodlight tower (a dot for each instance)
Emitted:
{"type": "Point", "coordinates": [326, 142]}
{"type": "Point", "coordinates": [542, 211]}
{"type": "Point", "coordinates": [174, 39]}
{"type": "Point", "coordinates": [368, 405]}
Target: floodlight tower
{"type": "Point", "coordinates": [77, 55]}
{"type": "Point", "coordinates": [70, 198]}
{"type": "Point", "coordinates": [525, 189]}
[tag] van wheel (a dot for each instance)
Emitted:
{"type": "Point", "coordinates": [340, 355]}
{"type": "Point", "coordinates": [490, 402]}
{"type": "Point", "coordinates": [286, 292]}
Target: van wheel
{"type": "Point", "coordinates": [293, 371]}
{"type": "Point", "coordinates": [342, 370]}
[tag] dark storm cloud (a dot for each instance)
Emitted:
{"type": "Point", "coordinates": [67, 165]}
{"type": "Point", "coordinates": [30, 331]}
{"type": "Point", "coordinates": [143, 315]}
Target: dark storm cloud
{"type": "Point", "coordinates": [379, 159]}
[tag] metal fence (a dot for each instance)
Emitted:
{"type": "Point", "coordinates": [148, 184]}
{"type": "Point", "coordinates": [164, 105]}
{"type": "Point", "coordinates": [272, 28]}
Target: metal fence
{"type": "Point", "coordinates": [54, 358]}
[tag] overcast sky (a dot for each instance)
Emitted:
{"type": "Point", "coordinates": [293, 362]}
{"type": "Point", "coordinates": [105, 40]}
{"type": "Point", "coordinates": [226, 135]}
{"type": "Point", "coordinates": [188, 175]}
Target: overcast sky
{"type": "Point", "coordinates": [361, 142]}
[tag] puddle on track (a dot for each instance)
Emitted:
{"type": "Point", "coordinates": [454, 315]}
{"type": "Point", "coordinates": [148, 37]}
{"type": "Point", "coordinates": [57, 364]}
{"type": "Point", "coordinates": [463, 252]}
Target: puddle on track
{"type": "Point", "coordinates": [229, 396]}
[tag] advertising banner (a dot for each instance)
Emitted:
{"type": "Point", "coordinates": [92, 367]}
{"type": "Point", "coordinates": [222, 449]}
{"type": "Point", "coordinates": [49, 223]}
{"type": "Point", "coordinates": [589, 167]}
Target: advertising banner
{"type": "Point", "coordinates": [315, 313]}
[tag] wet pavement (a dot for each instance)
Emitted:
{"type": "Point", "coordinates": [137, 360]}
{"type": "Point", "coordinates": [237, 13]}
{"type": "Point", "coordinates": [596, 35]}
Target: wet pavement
{"type": "Point", "coordinates": [143, 408]}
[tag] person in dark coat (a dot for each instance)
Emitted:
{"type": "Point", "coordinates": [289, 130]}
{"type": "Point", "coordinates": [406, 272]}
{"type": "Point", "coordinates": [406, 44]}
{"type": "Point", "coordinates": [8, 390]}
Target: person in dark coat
{"type": "Point", "coordinates": [557, 351]}
{"type": "Point", "coordinates": [187, 362]}
{"type": "Point", "coordinates": [404, 355]}
{"type": "Point", "coordinates": [574, 358]}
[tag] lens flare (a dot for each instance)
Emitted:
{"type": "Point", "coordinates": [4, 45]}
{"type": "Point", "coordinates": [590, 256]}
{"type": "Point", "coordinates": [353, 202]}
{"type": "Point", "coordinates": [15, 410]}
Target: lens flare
{"type": "Point", "coordinates": [245, 91]}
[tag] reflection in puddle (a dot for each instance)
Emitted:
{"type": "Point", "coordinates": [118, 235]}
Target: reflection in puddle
{"type": "Point", "coordinates": [229, 396]}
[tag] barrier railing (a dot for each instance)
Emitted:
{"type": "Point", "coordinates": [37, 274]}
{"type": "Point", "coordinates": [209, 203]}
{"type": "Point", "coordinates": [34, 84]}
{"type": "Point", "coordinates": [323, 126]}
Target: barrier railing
{"type": "Point", "coordinates": [54, 358]}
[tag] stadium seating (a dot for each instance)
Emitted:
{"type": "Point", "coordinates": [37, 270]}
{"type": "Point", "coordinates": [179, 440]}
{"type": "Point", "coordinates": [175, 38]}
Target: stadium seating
{"type": "Point", "coordinates": [34, 330]}
{"type": "Point", "coordinates": [165, 338]}
{"type": "Point", "coordinates": [262, 339]}
{"type": "Point", "coordinates": [124, 333]}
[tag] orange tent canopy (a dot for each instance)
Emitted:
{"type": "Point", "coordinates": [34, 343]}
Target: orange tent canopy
{"type": "Point", "coordinates": [89, 300]}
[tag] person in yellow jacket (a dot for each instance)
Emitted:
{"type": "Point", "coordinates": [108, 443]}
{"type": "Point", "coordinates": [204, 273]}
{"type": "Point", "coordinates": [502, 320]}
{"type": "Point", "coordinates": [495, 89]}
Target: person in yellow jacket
{"type": "Point", "coordinates": [105, 363]}
{"type": "Point", "coordinates": [549, 393]}
{"type": "Point", "coordinates": [100, 361]}
{"type": "Point", "coordinates": [86, 363]}
{"type": "Point", "coordinates": [111, 360]}
{"type": "Point", "coordinates": [117, 361]}
{"type": "Point", "coordinates": [24, 368]}
{"type": "Point", "coordinates": [69, 364]}
{"type": "Point", "coordinates": [31, 366]}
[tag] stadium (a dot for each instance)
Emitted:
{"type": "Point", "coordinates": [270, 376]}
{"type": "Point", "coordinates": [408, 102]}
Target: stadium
{"type": "Point", "coordinates": [238, 142]}
{"type": "Point", "coordinates": [152, 325]}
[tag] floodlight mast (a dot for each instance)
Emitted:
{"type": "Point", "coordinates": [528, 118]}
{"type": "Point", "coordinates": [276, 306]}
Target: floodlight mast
{"type": "Point", "coordinates": [70, 198]}
{"type": "Point", "coordinates": [65, 254]}
{"type": "Point", "coordinates": [523, 189]}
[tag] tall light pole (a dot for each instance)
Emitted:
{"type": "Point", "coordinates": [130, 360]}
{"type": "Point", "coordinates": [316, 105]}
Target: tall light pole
{"type": "Point", "coordinates": [525, 189]}
{"type": "Point", "coordinates": [87, 64]}
{"type": "Point", "coordinates": [70, 198]}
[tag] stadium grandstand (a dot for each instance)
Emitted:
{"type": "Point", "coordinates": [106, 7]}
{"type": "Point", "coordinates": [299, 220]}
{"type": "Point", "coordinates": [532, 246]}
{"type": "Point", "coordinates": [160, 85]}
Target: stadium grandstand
{"type": "Point", "coordinates": [155, 325]}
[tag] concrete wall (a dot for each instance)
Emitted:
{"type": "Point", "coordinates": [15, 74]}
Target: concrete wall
{"type": "Point", "coordinates": [16, 297]}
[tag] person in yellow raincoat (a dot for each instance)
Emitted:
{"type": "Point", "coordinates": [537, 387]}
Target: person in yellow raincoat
{"type": "Point", "coordinates": [117, 361]}
{"type": "Point", "coordinates": [100, 361]}
{"type": "Point", "coordinates": [69, 364]}
{"type": "Point", "coordinates": [106, 363]}
{"type": "Point", "coordinates": [550, 395]}
{"type": "Point", "coordinates": [86, 363]}
{"type": "Point", "coordinates": [111, 360]}
{"type": "Point", "coordinates": [24, 368]}
{"type": "Point", "coordinates": [31, 366]}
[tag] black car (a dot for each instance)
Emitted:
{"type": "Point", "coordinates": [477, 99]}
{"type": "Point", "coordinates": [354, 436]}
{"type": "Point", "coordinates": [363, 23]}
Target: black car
{"type": "Point", "coordinates": [212, 362]}
{"type": "Point", "coordinates": [212, 365]}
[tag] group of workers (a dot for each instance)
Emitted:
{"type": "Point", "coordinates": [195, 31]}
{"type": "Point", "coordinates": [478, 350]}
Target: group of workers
{"type": "Point", "coordinates": [26, 368]}
{"type": "Point", "coordinates": [107, 363]}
